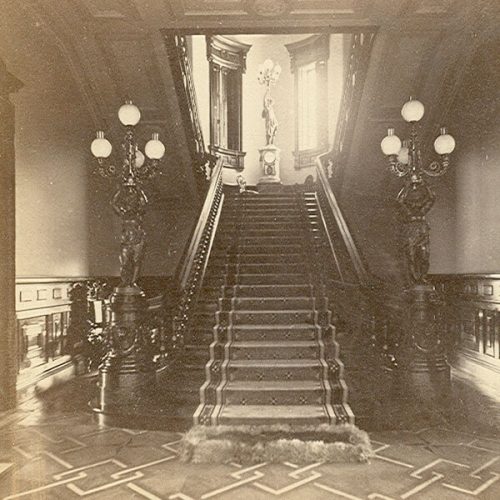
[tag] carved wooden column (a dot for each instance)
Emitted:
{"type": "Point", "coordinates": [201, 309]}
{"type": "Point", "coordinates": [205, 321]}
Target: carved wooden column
{"type": "Point", "coordinates": [227, 60]}
{"type": "Point", "coordinates": [8, 342]}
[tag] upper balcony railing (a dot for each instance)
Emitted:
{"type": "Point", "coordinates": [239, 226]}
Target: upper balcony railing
{"type": "Point", "coordinates": [357, 68]}
{"type": "Point", "coordinates": [180, 65]}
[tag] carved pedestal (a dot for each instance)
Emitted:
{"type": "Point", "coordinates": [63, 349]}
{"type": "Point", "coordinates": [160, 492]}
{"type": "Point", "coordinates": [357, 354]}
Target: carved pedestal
{"type": "Point", "coordinates": [270, 167]}
{"type": "Point", "coordinates": [424, 371]}
{"type": "Point", "coordinates": [127, 373]}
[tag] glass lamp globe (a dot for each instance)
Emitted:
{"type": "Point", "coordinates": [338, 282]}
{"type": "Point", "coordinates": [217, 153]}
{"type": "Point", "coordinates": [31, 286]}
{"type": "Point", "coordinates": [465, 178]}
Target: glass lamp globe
{"type": "Point", "coordinates": [391, 143]}
{"type": "Point", "coordinates": [412, 110]}
{"type": "Point", "coordinates": [403, 155]}
{"type": "Point", "coordinates": [129, 114]}
{"type": "Point", "coordinates": [268, 64]}
{"type": "Point", "coordinates": [139, 158]}
{"type": "Point", "coordinates": [444, 143]}
{"type": "Point", "coordinates": [154, 149]}
{"type": "Point", "coordinates": [101, 147]}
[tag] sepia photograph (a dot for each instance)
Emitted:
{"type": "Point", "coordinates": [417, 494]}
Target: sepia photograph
{"type": "Point", "coordinates": [250, 249]}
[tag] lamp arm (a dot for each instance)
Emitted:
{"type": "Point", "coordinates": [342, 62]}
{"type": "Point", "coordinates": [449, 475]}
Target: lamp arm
{"type": "Point", "coordinates": [398, 168]}
{"type": "Point", "coordinates": [105, 169]}
{"type": "Point", "coordinates": [437, 168]}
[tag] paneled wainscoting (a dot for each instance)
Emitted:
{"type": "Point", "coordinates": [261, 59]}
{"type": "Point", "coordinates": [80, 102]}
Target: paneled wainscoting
{"type": "Point", "coordinates": [471, 316]}
{"type": "Point", "coordinates": [43, 314]}
{"type": "Point", "coordinates": [54, 317]}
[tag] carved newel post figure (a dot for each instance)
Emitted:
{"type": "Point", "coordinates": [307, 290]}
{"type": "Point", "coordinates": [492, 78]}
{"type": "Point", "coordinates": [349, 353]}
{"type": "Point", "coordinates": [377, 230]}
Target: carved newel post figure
{"type": "Point", "coordinates": [424, 370]}
{"type": "Point", "coordinates": [128, 371]}
{"type": "Point", "coordinates": [270, 153]}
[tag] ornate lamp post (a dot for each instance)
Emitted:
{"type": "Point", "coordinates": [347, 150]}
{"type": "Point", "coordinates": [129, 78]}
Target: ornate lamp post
{"type": "Point", "coordinates": [423, 356]}
{"type": "Point", "coordinates": [128, 367]}
{"type": "Point", "coordinates": [269, 73]}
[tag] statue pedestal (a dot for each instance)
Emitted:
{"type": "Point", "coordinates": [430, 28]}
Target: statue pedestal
{"type": "Point", "coordinates": [270, 167]}
{"type": "Point", "coordinates": [127, 373]}
{"type": "Point", "coordinates": [424, 371]}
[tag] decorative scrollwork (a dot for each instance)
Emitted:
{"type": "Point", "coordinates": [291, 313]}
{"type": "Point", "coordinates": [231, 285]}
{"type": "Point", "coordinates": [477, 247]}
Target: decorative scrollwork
{"type": "Point", "coordinates": [436, 168]}
{"type": "Point", "coordinates": [399, 169]}
{"type": "Point", "coordinates": [105, 170]}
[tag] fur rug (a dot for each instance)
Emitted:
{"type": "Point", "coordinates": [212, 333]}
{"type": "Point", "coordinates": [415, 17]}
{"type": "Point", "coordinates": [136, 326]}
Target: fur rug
{"type": "Point", "coordinates": [250, 444]}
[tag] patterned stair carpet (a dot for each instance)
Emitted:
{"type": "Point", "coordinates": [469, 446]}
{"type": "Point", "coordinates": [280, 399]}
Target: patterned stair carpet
{"type": "Point", "coordinates": [273, 355]}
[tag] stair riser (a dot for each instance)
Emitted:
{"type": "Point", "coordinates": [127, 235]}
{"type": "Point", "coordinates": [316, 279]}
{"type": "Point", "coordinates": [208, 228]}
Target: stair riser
{"type": "Point", "coordinates": [230, 240]}
{"type": "Point", "coordinates": [259, 353]}
{"type": "Point", "coordinates": [270, 218]}
{"type": "Point", "coordinates": [232, 269]}
{"type": "Point", "coordinates": [290, 397]}
{"type": "Point", "coordinates": [287, 290]}
{"type": "Point", "coordinates": [258, 259]}
{"type": "Point", "coordinates": [276, 232]}
{"type": "Point", "coordinates": [272, 304]}
{"type": "Point", "coordinates": [275, 335]}
{"type": "Point", "coordinates": [269, 279]}
{"type": "Point", "coordinates": [275, 373]}
{"type": "Point", "coordinates": [249, 226]}
{"type": "Point", "coordinates": [222, 250]}
{"type": "Point", "coordinates": [271, 318]}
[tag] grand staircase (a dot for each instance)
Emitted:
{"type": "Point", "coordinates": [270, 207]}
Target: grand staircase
{"type": "Point", "coordinates": [263, 318]}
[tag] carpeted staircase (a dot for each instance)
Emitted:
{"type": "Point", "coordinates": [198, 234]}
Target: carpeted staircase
{"type": "Point", "coordinates": [273, 356]}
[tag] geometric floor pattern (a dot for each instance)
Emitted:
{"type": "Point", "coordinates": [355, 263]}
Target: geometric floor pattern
{"type": "Point", "coordinates": [69, 456]}
{"type": "Point", "coordinates": [50, 448]}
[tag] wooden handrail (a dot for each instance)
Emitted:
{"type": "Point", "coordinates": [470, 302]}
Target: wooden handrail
{"type": "Point", "coordinates": [200, 225]}
{"type": "Point", "coordinates": [357, 262]}
{"type": "Point", "coordinates": [195, 263]}
{"type": "Point", "coordinates": [184, 86]}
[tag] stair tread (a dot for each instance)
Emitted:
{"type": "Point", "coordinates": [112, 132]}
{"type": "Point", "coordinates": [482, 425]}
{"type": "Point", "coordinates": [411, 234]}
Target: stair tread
{"type": "Point", "coordinates": [285, 311]}
{"type": "Point", "coordinates": [277, 297]}
{"type": "Point", "coordinates": [272, 385]}
{"type": "Point", "coordinates": [276, 363]}
{"type": "Point", "coordinates": [273, 411]}
{"type": "Point", "coordinates": [275, 326]}
{"type": "Point", "coordinates": [270, 343]}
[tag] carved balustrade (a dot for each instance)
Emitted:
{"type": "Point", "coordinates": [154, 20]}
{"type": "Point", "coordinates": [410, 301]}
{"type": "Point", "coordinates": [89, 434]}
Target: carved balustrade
{"type": "Point", "coordinates": [361, 302]}
{"type": "Point", "coordinates": [196, 259]}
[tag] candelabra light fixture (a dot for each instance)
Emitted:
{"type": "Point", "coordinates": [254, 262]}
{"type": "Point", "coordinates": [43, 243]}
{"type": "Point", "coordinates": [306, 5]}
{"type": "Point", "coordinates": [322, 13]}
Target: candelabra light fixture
{"type": "Point", "coordinates": [269, 73]}
{"type": "Point", "coordinates": [425, 371]}
{"type": "Point", "coordinates": [404, 156]}
{"type": "Point", "coordinates": [128, 368]}
{"type": "Point", "coordinates": [129, 200]}
{"type": "Point", "coordinates": [416, 197]}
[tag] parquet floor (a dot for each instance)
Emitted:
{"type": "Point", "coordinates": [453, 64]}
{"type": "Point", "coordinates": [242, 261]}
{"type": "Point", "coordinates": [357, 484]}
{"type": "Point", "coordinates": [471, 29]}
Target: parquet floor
{"type": "Point", "coordinates": [51, 449]}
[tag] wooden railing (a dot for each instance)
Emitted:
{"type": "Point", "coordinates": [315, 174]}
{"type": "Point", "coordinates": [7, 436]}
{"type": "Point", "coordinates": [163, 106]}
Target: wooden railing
{"type": "Point", "coordinates": [180, 66]}
{"type": "Point", "coordinates": [346, 252]}
{"type": "Point", "coordinates": [192, 269]}
{"type": "Point", "coordinates": [471, 314]}
{"type": "Point", "coordinates": [362, 301]}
